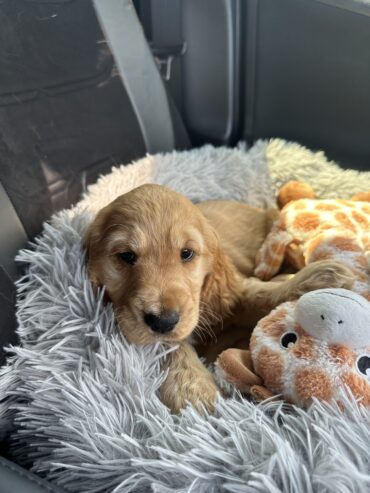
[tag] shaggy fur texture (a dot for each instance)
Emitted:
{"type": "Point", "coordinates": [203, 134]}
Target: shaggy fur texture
{"type": "Point", "coordinates": [82, 406]}
{"type": "Point", "coordinates": [290, 161]}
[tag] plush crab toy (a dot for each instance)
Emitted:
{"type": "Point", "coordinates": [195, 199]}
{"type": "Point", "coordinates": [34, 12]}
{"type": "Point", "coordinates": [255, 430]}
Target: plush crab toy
{"type": "Point", "coordinates": [314, 347]}
{"type": "Point", "coordinates": [320, 344]}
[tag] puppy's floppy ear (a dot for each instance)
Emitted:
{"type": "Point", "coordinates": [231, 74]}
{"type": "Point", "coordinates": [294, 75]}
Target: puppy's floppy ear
{"type": "Point", "coordinates": [90, 238]}
{"type": "Point", "coordinates": [222, 284]}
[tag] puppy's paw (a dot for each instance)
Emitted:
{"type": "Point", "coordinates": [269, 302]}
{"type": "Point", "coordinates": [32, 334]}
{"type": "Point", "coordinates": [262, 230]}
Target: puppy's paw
{"type": "Point", "coordinates": [200, 392]}
{"type": "Point", "coordinates": [322, 274]}
{"type": "Point", "coordinates": [204, 396]}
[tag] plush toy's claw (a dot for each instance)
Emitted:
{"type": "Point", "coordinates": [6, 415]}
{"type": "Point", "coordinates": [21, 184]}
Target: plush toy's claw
{"type": "Point", "coordinates": [260, 393]}
{"type": "Point", "coordinates": [236, 366]}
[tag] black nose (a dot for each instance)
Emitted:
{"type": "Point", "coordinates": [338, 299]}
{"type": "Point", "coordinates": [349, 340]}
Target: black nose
{"type": "Point", "coordinates": [162, 323]}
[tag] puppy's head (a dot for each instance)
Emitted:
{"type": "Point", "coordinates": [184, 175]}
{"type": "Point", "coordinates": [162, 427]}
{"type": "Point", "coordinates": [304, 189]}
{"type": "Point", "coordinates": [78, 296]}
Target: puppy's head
{"type": "Point", "coordinates": [152, 249]}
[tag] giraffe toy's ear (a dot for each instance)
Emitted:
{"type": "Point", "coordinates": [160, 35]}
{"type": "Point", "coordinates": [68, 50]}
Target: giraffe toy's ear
{"type": "Point", "coordinates": [294, 190]}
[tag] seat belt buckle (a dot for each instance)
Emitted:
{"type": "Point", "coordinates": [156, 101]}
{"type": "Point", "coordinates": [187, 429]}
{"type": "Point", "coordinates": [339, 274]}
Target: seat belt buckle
{"type": "Point", "coordinates": [164, 56]}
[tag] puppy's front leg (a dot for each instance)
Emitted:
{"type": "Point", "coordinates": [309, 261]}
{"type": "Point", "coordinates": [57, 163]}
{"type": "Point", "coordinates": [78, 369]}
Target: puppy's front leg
{"type": "Point", "coordinates": [188, 381]}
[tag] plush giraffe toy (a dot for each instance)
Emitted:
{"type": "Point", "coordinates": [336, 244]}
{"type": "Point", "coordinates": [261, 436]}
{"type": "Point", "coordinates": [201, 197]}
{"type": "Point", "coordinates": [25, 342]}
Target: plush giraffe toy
{"type": "Point", "coordinates": [308, 230]}
{"type": "Point", "coordinates": [319, 344]}
{"type": "Point", "coordinates": [313, 347]}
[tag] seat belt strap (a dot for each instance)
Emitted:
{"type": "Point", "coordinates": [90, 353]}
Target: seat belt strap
{"type": "Point", "coordinates": [138, 71]}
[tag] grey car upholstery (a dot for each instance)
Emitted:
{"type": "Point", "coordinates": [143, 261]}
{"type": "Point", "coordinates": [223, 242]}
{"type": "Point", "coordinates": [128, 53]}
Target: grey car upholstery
{"type": "Point", "coordinates": [309, 76]}
{"type": "Point", "coordinates": [15, 479]}
{"type": "Point", "coordinates": [13, 238]}
{"type": "Point", "coordinates": [295, 69]}
{"type": "Point", "coordinates": [64, 114]}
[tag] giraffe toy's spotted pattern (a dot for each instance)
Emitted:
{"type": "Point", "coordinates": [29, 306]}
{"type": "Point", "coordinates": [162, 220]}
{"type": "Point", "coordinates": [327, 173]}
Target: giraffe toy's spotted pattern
{"type": "Point", "coordinates": [308, 230]}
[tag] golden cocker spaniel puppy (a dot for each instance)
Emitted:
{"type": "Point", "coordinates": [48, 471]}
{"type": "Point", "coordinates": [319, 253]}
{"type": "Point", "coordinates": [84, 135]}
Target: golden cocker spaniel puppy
{"type": "Point", "coordinates": [179, 273]}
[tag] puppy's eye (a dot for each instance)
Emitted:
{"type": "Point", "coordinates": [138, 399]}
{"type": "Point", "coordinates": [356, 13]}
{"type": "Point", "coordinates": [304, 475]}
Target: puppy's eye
{"type": "Point", "coordinates": [363, 365]}
{"type": "Point", "coordinates": [187, 254]}
{"type": "Point", "coordinates": [288, 340]}
{"type": "Point", "coordinates": [128, 257]}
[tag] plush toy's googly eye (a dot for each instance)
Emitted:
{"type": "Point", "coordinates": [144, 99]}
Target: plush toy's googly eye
{"type": "Point", "coordinates": [363, 365]}
{"type": "Point", "coordinates": [288, 339]}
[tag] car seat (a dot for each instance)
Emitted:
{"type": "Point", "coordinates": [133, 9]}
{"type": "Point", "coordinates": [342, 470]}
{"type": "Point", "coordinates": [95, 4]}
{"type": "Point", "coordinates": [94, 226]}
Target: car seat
{"type": "Point", "coordinates": [80, 91]}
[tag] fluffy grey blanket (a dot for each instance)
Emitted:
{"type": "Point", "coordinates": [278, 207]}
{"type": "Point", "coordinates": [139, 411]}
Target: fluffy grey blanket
{"type": "Point", "coordinates": [81, 405]}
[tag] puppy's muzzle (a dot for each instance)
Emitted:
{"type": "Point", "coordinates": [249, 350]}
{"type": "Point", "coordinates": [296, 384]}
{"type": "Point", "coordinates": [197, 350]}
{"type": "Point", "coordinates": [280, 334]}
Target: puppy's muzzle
{"type": "Point", "coordinates": [163, 323]}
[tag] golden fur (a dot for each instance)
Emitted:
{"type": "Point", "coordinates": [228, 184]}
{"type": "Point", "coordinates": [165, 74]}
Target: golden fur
{"type": "Point", "coordinates": [212, 292]}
